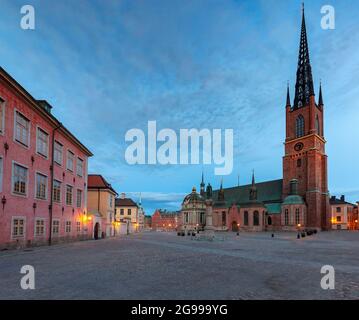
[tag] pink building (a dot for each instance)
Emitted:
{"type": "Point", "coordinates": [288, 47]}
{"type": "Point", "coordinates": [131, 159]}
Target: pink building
{"type": "Point", "coordinates": [32, 142]}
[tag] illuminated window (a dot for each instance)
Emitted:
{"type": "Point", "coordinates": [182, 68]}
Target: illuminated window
{"type": "Point", "coordinates": [39, 227]}
{"type": "Point", "coordinates": [18, 227]}
{"type": "Point", "coordinates": [57, 191]}
{"type": "Point", "coordinates": [55, 227]}
{"type": "Point", "coordinates": [41, 186]}
{"type": "Point", "coordinates": [19, 179]}
{"type": "Point", "coordinates": [68, 227]}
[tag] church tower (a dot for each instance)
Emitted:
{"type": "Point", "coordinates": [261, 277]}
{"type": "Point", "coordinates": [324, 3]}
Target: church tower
{"type": "Point", "coordinates": [305, 159]}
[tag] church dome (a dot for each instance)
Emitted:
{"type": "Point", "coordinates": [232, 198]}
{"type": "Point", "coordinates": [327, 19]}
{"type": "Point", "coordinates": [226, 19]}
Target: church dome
{"type": "Point", "coordinates": [293, 199]}
{"type": "Point", "coordinates": [193, 198]}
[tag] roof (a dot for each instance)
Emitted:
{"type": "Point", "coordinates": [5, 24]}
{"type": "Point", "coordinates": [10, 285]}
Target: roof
{"type": "Point", "coordinates": [125, 202]}
{"type": "Point", "coordinates": [267, 192]}
{"type": "Point", "coordinates": [96, 181]}
{"type": "Point", "coordinates": [336, 201]}
{"type": "Point", "coordinates": [38, 105]}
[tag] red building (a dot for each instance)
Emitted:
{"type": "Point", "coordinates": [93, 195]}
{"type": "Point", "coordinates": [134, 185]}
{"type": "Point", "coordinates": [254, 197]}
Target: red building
{"type": "Point", "coordinates": [165, 220]}
{"type": "Point", "coordinates": [301, 198]}
{"type": "Point", "coordinates": [43, 172]}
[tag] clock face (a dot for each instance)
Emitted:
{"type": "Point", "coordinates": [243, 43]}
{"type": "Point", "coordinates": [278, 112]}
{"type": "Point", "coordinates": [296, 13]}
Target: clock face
{"type": "Point", "coordinates": [299, 146]}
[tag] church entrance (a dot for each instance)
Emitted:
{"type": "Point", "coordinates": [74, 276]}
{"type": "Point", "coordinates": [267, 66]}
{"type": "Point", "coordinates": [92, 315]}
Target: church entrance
{"type": "Point", "coordinates": [234, 226]}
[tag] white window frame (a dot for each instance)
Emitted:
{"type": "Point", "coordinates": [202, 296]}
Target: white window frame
{"type": "Point", "coordinates": [29, 131]}
{"type": "Point", "coordinates": [72, 195]}
{"type": "Point", "coordinates": [2, 120]}
{"type": "Point", "coordinates": [12, 179]}
{"type": "Point", "coordinates": [79, 160]}
{"type": "Point", "coordinates": [67, 159]}
{"type": "Point", "coordinates": [46, 155]}
{"type": "Point", "coordinates": [56, 234]}
{"type": "Point", "coordinates": [47, 185]}
{"type": "Point", "coordinates": [13, 237]}
{"type": "Point", "coordinates": [39, 235]}
{"type": "Point", "coordinates": [53, 188]}
{"type": "Point", "coordinates": [62, 153]}
{"type": "Point", "coordinates": [77, 198]}
{"type": "Point", "coordinates": [78, 226]}
{"type": "Point", "coordinates": [70, 224]}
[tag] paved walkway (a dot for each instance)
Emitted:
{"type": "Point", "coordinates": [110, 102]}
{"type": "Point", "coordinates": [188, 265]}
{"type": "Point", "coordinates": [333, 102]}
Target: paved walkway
{"type": "Point", "coordinates": [159, 265]}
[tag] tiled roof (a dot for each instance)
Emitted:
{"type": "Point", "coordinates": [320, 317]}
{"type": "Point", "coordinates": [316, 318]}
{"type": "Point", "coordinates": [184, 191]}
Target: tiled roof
{"type": "Point", "coordinates": [96, 181]}
{"type": "Point", "coordinates": [125, 202]}
{"type": "Point", "coordinates": [267, 192]}
{"type": "Point", "coordinates": [335, 201]}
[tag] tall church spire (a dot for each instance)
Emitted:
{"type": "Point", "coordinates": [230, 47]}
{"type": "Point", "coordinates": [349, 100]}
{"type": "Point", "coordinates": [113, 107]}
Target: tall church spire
{"type": "Point", "coordinates": [288, 96]}
{"type": "Point", "coordinates": [320, 101]}
{"type": "Point", "coordinates": [304, 87]}
{"type": "Point", "coordinates": [253, 189]}
{"type": "Point", "coordinates": [202, 191]}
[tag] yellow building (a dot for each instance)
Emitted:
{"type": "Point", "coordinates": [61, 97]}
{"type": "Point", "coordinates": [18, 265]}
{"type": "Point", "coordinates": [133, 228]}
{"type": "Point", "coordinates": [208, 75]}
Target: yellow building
{"type": "Point", "coordinates": [127, 211]}
{"type": "Point", "coordinates": [101, 205]}
{"type": "Point", "coordinates": [343, 214]}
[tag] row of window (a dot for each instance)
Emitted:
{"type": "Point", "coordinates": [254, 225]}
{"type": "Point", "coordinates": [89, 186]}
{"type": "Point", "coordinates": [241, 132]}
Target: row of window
{"type": "Point", "coordinates": [20, 181]}
{"type": "Point", "coordinates": [22, 136]}
{"type": "Point", "coordinates": [19, 227]}
{"type": "Point", "coordinates": [122, 211]}
{"type": "Point", "coordinates": [300, 126]}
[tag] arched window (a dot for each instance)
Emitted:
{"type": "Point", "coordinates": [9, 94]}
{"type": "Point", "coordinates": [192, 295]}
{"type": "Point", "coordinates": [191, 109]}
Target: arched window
{"type": "Point", "coordinates": [224, 220]}
{"type": "Point", "coordinates": [286, 217]}
{"type": "Point", "coordinates": [297, 216]}
{"type": "Point", "coordinates": [269, 221]}
{"type": "Point", "coordinates": [245, 218]}
{"type": "Point", "coordinates": [256, 218]}
{"type": "Point", "coordinates": [299, 126]}
{"type": "Point", "coordinates": [317, 125]}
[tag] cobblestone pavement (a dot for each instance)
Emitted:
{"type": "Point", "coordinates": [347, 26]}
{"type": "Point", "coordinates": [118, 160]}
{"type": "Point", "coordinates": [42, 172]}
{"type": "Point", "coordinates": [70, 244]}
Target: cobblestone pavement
{"type": "Point", "coordinates": [159, 265]}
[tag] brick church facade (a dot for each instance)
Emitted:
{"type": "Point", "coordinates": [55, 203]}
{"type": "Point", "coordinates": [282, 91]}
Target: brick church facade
{"type": "Point", "coordinates": [301, 198]}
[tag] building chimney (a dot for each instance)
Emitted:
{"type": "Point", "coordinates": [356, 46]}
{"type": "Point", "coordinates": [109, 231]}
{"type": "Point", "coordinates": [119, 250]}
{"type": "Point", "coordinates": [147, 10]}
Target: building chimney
{"type": "Point", "coordinates": [342, 198]}
{"type": "Point", "coordinates": [293, 187]}
{"type": "Point", "coordinates": [123, 195]}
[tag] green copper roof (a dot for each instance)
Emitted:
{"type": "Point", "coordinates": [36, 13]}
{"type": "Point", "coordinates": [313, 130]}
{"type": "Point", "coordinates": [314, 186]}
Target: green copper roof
{"type": "Point", "coordinates": [293, 199]}
{"type": "Point", "coordinates": [274, 208]}
{"type": "Point", "coordinates": [267, 192]}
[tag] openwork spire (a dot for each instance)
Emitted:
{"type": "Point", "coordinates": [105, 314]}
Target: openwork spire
{"type": "Point", "coordinates": [304, 87]}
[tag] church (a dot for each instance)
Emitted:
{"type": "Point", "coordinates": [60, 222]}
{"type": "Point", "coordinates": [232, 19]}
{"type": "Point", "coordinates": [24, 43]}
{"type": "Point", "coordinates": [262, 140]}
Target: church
{"type": "Point", "coordinates": [301, 198]}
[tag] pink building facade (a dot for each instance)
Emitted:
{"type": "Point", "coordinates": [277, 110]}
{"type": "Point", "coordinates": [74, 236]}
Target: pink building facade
{"type": "Point", "coordinates": [43, 173]}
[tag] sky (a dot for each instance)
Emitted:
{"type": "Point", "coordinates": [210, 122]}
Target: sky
{"type": "Point", "coordinates": [109, 66]}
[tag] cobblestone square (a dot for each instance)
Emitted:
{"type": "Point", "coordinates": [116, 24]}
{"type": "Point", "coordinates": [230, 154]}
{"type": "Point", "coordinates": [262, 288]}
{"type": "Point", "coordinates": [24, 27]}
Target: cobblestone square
{"type": "Point", "coordinates": [160, 265]}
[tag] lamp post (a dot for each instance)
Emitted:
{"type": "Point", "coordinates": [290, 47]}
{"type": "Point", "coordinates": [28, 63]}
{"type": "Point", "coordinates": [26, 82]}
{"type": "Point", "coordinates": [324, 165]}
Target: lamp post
{"type": "Point", "coordinates": [298, 226]}
{"type": "Point", "coordinates": [238, 225]}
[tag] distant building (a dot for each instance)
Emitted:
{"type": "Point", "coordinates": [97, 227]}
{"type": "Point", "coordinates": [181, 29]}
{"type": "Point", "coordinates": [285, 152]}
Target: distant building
{"type": "Point", "coordinates": [148, 222]}
{"type": "Point", "coordinates": [101, 205]}
{"type": "Point", "coordinates": [165, 220]}
{"type": "Point", "coordinates": [127, 211]}
{"type": "Point", "coordinates": [344, 214]}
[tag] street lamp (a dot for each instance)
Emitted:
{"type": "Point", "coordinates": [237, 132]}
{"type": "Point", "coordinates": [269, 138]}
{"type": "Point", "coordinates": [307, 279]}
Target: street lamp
{"type": "Point", "coordinates": [298, 226]}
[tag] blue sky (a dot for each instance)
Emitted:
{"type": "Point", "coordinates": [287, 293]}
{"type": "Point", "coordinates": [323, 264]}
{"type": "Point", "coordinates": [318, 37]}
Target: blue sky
{"type": "Point", "coordinates": [109, 66]}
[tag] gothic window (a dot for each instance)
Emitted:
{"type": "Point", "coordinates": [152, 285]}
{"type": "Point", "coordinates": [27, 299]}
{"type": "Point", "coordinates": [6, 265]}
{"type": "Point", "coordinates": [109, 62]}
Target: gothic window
{"type": "Point", "coordinates": [317, 125]}
{"type": "Point", "coordinates": [269, 221]}
{"type": "Point", "coordinates": [186, 217]}
{"type": "Point", "coordinates": [246, 218]}
{"type": "Point", "coordinates": [286, 217]}
{"type": "Point", "coordinates": [297, 216]}
{"type": "Point", "coordinates": [256, 218]}
{"type": "Point", "coordinates": [299, 126]}
{"type": "Point", "coordinates": [224, 222]}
